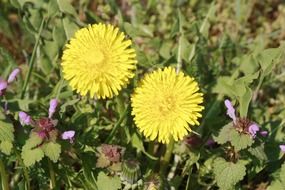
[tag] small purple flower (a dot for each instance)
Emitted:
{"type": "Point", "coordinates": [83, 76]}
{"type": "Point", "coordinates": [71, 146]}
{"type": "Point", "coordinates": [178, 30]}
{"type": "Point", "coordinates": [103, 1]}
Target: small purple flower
{"type": "Point", "coordinates": [263, 133]}
{"type": "Point", "coordinates": [13, 75]}
{"type": "Point", "coordinates": [68, 135]}
{"type": "Point", "coordinates": [52, 107]}
{"type": "Point", "coordinates": [25, 119]}
{"type": "Point", "coordinates": [230, 110]}
{"type": "Point", "coordinates": [282, 148]}
{"type": "Point", "coordinates": [3, 86]}
{"type": "Point", "coordinates": [253, 129]}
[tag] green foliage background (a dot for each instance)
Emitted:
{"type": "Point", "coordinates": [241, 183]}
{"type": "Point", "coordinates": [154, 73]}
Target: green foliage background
{"type": "Point", "coordinates": [234, 49]}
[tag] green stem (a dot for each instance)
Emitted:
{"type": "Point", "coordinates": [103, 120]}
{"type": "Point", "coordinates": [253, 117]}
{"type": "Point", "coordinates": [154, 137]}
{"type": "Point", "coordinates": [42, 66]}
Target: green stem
{"type": "Point", "coordinates": [166, 158]}
{"type": "Point", "coordinates": [188, 179]}
{"type": "Point", "coordinates": [122, 117]}
{"type": "Point", "coordinates": [150, 148]}
{"type": "Point", "coordinates": [4, 176]}
{"type": "Point", "coordinates": [179, 53]}
{"type": "Point", "coordinates": [32, 60]}
{"type": "Point", "coordinates": [26, 173]}
{"type": "Point", "coordinates": [52, 175]}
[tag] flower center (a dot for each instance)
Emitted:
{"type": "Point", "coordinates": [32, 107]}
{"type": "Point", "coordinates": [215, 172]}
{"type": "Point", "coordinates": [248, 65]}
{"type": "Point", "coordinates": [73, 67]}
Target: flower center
{"type": "Point", "coordinates": [166, 105]}
{"type": "Point", "coordinates": [95, 58]}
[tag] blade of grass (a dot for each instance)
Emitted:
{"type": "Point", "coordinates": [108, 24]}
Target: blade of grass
{"type": "Point", "coordinates": [32, 60]}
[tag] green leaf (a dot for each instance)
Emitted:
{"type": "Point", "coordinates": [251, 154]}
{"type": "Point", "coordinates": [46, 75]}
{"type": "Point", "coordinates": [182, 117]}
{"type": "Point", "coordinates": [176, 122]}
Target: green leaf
{"type": "Point", "coordinates": [228, 174]}
{"type": "Point", "coordinates": [268, 58]}
{"type": "Point", "coordinates": [66, 7]}
{"type": "Point", "coordinates": [69, 27]}
{"type": "Point", "coordinates": [102, 161]}
{"type": "Point", "coordinates": [165, 49]}
{"type": "Point", "coordinates": [30, 152]}
{"type": "Point", "coordinates": [137, 143]}
{"type": "Point", "coordinates": [244, 101]}
{"type": "Point", "coordinates": [52, 8]}
{"type": "Point", "coordinates": [105, 182]}
{"type": "Point", "coordinates": [6, 135]}
{"type": "Point", "coordinates": [33, 141]}
{"type": "Point", "coordinates": [229, 134]}
{"type": "Point", "coordinates": [6, 131]}
{"type": "Point", "coordinates": [52, 150]}
{"type": "Point", "coordinates": [6, 147]}
{"type": "Point", "coordinates": [258, 152]}
{"type": "Point", "coordinates": [279, 180]}
{"type": "Point", "coordinates": [31, 156]}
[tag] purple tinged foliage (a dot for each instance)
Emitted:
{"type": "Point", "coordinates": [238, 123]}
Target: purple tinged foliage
{"type": "Point", "coordinates": [13, 75]}
{"type": "Point", "coordinates": [230, 110]}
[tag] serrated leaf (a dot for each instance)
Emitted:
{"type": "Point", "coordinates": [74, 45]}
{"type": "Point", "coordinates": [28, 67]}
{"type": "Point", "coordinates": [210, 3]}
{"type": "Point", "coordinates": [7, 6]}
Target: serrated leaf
{"type": "Point", "coordinates": [31, 156]}
{"type": "Point", "coordinates": [30, 153]}
{"type": "Point", "coordinates": [229, 134]}
{"type": "Point", "coordinates": [102, 162]}
{"type": "Point", "coordinates": [6, 147]}
{"type": "Point", "coordinates": [105, 182]}
{"type": "Point", "coordinates": [258, 152]}
{"type": "Point", "coordinates": [228, 174]}
{"type": "Point", "coordinates": [6, 131]}
{"type": "Point", "coordinates": [6, 136]}
{"type": "Point", "coordinates": [52, 150]}
{"type": "Point", "coordinates": [33, 141]}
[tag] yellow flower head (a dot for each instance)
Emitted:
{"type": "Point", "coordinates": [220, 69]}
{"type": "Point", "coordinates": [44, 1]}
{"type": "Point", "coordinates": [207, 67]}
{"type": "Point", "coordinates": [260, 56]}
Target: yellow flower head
{"type": "Point", "coordinates": [165, 104]}
{"type": "Point", "coordinates": [98, 61]}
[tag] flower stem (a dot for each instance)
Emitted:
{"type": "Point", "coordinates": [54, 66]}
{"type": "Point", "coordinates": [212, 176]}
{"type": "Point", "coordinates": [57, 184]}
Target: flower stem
{"type": "Point", "coordinates": [122, 117]}
{"type": "Point", "coordinates": [52, 175]}
{"type": "Point", "coordinates": [179, 53]}
{"type": "Point", "coordinates": [4, 177]}
{"type": "Point", "coordinates": [26, 173]}
{"type": "Point", "coordinates": [166, 158]}
{"type": "Point", "coordinates": [32, 60]}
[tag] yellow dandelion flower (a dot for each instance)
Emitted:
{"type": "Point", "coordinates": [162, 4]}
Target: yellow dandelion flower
{"type": "Point", "coordinates": [165, 104]}
{"type": "Point", "coordinates": [98, 61]}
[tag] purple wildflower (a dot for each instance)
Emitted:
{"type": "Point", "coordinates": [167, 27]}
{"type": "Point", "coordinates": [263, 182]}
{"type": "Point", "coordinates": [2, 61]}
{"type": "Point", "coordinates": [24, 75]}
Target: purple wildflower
{"type": "Point", "coordinates": [230, 110]}
{"type": "Point", "coordinates": [263, 133]}
{"type": "Point", "coordinates": [253, 128]}
{"type": "Point", "coordinates": [52, 107]}
{"type": "Point", "coordinates": [282, 147]}
{"type": "Point", "coordinates": [13, 75]}
{"type": "Point", "coordinates": [3, 86]}
{"type": "Point", "coordinates": [25, 119]}
{"type": "Point", "coordinates": [68, 135]}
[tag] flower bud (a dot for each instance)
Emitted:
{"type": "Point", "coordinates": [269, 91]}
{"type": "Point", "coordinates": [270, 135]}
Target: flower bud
{"type": "Point", "coordinates": [131, 171]}
{"type": "Point", "coordinates": [25, 119]}
{"type": "Point", "coordinates": [3, 86]}
{"type": "Point", "coordinates": [52, 107]}
{"type": "Point", "coordinates": [13, 75]}
{"type": "Point", "coordinates": [68, 135]}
